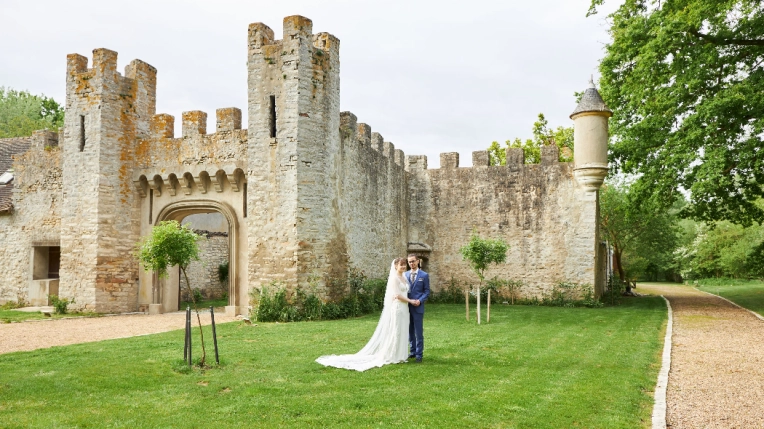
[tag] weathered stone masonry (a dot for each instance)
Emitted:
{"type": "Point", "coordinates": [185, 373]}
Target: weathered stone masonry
{"type": "Point", "coordinates": [307, 191]}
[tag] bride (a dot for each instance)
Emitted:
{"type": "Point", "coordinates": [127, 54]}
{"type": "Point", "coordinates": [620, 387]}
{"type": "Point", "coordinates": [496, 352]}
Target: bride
{"type": "Point", "coordinates": [390, 341]}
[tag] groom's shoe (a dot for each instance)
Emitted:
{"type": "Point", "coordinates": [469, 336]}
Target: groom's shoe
{"type": "Point", "coordinates": [412, 356]}
{"type": "Point", "coordinates": [419, 360]}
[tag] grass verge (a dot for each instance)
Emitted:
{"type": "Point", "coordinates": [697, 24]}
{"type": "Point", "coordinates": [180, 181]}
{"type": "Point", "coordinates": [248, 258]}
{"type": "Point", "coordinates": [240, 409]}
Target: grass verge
{"type": "Point", "coordinates": [746, 293]}
{"type": "Point", "coordinates": [8, 316]}
{"type": "Point", "coordinates": [531, 367]}
{"type": "Point", "coordinates": [207, 303]}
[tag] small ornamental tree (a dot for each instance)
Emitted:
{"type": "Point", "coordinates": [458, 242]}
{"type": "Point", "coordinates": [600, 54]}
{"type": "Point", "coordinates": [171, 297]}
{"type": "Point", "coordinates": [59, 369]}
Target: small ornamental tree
{"type": "Point", "coordinates": [170, 244]}
{"type": "Point", "coordinates": [481, 253]}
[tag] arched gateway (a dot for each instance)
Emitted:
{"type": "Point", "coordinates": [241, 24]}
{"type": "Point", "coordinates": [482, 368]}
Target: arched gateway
{"type": "Point", "coordinates": [164, 292]}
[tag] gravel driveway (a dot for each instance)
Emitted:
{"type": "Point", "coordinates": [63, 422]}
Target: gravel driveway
{"type": "Point", "coordinates": [717, 362]}
{"type": "Point", "coordinates": [41, 334]}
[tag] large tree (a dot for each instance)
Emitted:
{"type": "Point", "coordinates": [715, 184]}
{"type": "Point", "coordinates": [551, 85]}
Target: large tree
{"type": "Point", "coordinates": [21, 113]}
{"type": "Point", "coordinates": [640, 233]}
{"type": "Point", "coordinates": [685, 80]}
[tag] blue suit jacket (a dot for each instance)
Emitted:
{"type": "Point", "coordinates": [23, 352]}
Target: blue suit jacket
{"type": "Point", "coordinates": [419, 289]}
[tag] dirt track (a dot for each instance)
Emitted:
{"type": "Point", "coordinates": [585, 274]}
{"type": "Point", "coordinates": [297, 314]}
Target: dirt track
{"type": "Point", "coordinates": [34, 335]}
{"type": "Point", "coordinates": [717, 362]}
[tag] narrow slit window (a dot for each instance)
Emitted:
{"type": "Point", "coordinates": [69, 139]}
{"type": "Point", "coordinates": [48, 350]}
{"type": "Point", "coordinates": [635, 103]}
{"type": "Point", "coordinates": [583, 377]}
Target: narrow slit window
{"type": "Point", "coordinates": [151, 204]}
{"type": "Point", "coordinates": [273, 116]}
{"type": "Point", "coordinates": [244, 204]}
{"type": "Point", "coordinates": [82, 133]}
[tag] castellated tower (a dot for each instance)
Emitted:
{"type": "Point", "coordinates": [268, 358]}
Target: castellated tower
{"type": "Point", "coordinates": [293, 141]}
{"type": "Point", "coordinates": [105, 114]}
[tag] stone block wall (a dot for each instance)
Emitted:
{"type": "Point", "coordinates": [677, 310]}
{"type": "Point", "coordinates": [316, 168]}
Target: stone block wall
{"type": "Point", "coordinates": [548, 221]}
{"type": "Point", "coordinates": [228, 144]}
{"type": "Point", "coordinates": [203, 274]}
{"type": "Point", "coordinates": [36, 216]}
{"type": "Point", "coordinates": [106, 114]}
{"type": "Point", "coordinates": [293, 220]}
{"type": "Point", "coordinates": [373, 198]}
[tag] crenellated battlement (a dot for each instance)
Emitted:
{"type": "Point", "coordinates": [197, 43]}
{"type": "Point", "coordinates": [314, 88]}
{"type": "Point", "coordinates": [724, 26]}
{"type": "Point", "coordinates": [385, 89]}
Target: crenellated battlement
{"type": "Point", "coordinates": [361, 134]}
{"type": "Point", "coordinates": [104, 73]}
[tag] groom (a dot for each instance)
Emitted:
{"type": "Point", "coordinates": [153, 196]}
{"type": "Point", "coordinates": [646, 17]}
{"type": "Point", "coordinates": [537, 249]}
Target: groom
{"type": "Point", "coordinates": [419, 290]}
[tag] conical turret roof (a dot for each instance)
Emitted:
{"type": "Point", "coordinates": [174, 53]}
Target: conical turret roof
{"type": "Point", "coordinates": [591, 101]}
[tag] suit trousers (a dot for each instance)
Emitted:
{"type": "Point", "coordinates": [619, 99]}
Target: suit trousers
{"type": "Point", "coordinates": [416, 333]}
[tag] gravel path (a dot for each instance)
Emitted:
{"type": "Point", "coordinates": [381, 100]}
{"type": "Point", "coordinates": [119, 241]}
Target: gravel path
{"type": "Point", "coordinates": [717, 362]}
{"type": "Point", "coordinates": [42, 334]}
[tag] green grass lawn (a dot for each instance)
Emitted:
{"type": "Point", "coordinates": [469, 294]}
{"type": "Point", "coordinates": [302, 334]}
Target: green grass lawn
{"type": "Point", "coordinates": [8, 316]}
{"type": "Point", "coordinates": [207, 303]}
{"type": "Point", "coordinates": [746, 293]}
{"type": "Point", "coordinates": [531, 367]}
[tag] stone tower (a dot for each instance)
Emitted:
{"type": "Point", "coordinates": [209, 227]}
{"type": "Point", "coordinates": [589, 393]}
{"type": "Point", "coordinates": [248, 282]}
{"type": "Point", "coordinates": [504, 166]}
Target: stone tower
{"type": "Point", "coordinates": [105, 114]}
{"type": "Point", "coordinates": [590, 139]}
{"type": "Point", "coordinates": [293, 144]}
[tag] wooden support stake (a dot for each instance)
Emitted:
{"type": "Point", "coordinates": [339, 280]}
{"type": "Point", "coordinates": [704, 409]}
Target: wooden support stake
{"type": "Point", "coordinates": [467, 302]}
{"type": "Point", "coordinates": [488, 311]}
{"type": "Point", "coordinates": [478, 305]}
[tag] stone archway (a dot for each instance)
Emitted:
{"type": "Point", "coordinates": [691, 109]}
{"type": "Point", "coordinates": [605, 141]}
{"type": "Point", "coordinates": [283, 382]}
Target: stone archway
{"type": "Point", "coordinates": [164, 292]}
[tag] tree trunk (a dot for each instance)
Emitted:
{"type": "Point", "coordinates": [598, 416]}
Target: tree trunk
{"type": "Point", "coordinates": [621, 273]}
{"type": "Point", "coordinates": [198, 317]}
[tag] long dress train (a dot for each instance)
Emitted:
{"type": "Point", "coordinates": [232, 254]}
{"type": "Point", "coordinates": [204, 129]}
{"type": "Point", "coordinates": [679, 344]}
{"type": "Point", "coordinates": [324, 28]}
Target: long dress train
{"type": "Point", "coordinates": [390, 341]}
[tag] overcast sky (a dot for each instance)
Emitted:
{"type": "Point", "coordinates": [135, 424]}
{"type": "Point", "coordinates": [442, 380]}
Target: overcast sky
{"type": "Point", "coordinates": [430, 76]}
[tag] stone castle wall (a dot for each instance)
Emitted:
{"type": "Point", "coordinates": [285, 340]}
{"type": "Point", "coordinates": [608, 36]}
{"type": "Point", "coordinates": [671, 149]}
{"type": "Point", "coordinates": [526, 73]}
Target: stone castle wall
{"type": "Point", "coordinates": [203, 274]}
{"type": "Point", "coordinates": [307, 191]}
{"type": "Point", "coordinates": [373, 198]}
{"type": "Point", "coordinates": [36, 216]}
{"type": "Point", "coordinates": [538, 209]}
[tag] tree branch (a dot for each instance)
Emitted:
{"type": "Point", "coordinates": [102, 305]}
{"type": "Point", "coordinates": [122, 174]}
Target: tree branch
{"type": "Point", "coordinates": [722, 41]}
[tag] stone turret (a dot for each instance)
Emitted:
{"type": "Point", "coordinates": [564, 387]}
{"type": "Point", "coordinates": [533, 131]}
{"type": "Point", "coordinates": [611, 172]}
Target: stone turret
{"type": "Point", "coordinates": [590, 139]}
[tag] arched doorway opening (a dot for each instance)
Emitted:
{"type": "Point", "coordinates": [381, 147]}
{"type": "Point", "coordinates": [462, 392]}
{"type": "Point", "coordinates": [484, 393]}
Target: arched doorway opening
{"type": "Point", "coordinates": [166, 291]}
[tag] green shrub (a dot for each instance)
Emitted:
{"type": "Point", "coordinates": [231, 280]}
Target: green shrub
{"type": "Point", "coordinates": [570, 294]}
{"type": "Point", "coordinates": [452, 293]}
{"type": "Point", "coordinates": [60, 305]}
{"type": "Point", "coordinates": [12, 305]}
{"type": "Point", "coordinates": [223, 272]}
{"type": "Point", "coordinates": [361, 296]}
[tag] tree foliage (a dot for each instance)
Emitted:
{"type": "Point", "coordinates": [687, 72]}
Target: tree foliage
{"type": "Point", "coordinates": [642, 234]}
{"type": "Point", "coordinates": [722, 249]}
{"type": "Point", "coordinates": [684, 79]}
{"type": "Point", "coordinates": [169, 244]}
{"type": "Point", "coordinates": [542, 135]}
{"type": "Point", "coordinates": [21, 113]}
{"type": "Point", "coordinates": [480, 253]}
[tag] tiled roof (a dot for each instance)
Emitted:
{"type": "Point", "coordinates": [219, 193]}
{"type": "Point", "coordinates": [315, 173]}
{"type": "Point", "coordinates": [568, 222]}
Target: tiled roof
{"type": "Point", "coordinates": [8, 148]}
{"type": "Point", "coordinates": [591, 101]}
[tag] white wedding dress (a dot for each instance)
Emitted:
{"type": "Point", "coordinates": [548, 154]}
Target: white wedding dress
{"type": "Point", "coordinates": [390, 341]}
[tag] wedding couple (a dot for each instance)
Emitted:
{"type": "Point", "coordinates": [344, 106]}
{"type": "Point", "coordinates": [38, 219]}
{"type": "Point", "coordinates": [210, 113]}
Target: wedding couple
{"type": "Point", "coordinates": [399, 333]}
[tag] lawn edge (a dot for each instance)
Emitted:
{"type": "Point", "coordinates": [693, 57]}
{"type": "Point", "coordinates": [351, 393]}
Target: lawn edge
{"type": "Point", "coordinates": [659, 408]}
{"type": "Point", "coordinates": [758, 316]}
